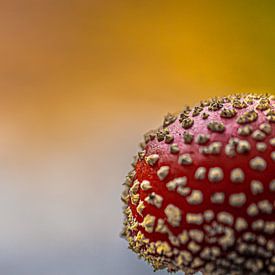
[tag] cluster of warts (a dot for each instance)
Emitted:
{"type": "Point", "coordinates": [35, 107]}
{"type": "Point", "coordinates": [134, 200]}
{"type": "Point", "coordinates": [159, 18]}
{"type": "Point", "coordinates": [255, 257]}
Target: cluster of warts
{"type": "Point", "coordinates": [212, 233]}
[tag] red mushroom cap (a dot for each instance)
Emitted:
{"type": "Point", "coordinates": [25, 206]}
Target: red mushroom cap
{"type": "Point", "coordinates": [201, 196]}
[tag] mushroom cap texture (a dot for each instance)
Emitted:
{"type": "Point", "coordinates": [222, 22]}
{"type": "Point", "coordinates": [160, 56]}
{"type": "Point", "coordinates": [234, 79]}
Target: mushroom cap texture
{"type": "Point", "coordinates": [201, 195]}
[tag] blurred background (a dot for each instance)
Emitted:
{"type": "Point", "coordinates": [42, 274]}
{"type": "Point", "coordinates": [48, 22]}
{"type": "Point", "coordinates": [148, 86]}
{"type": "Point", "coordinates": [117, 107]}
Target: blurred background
{"type": "Point", "coordinates": [80, 82]}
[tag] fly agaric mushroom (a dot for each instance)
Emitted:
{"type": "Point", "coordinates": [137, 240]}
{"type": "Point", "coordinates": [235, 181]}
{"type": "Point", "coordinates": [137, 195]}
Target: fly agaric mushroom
{"type": "Point", "coordinates": [201, 196]}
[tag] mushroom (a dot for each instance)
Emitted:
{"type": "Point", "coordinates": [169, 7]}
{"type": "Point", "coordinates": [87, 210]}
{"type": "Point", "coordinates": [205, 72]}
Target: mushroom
{"type": "Point", "coordinates": [201, 195]}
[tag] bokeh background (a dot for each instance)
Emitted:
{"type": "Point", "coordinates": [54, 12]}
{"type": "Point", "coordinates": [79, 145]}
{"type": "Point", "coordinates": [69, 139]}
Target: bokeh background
{"type": "Point", "coordinates": [80, 82]}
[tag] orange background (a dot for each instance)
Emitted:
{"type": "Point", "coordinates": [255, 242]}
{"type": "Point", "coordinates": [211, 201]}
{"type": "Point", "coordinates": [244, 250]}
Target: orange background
{"type": "Point", "coordinates": [80, 82]}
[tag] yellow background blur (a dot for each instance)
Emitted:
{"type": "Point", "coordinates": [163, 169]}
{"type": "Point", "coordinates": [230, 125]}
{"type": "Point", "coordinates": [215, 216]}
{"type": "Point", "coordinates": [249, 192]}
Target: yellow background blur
{"type": "Point", "coordinates": [80, 82]}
